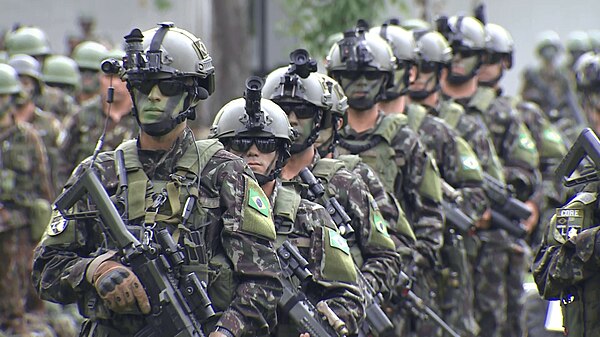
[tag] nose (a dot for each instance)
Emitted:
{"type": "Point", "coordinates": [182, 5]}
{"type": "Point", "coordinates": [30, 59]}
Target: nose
{"type": "Point", "coordinates": [155, 94]}
{"type": "Point", "coordinates": [252, 151]}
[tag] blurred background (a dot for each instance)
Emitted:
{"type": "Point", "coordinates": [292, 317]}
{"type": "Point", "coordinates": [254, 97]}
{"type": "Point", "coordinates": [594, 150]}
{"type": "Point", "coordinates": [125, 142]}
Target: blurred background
{"type": "Point", "coordinates": [254, 36]}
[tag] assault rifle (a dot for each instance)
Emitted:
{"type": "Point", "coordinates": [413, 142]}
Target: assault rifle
{"type": "Point", "coordinates": [301, 310]}
{"type": "Point", "coordinates": [455, 217]}
{"type": "Point", "coordinates": [376, 320]}
{"type": "Point", "coordinates": [179, 302]}
{"type": "Point", "coordinates": [418, 307]}
{"type": "Point", "coordinates": [587, 145]}
{"type": "Point", "coordinates": [507, 211]}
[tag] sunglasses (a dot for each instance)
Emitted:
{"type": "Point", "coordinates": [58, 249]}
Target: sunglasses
{"type": "Point", "coordinates": [354, 75]}
{"type": "Point", "coordinates": [492, 58]}
{"type": "Point", "coordinates": [264, 145]}
{"type": "Point", "coordinates": [302, 111]}
{"type": "Point", "coordinates": [167, 87]}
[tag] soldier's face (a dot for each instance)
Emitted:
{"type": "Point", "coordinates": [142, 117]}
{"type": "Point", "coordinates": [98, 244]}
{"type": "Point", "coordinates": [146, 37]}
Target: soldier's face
{"type": "Point", "coordinates": [463, 63]}
{"type": "Point", "coordinates": [28, 85]}
{"type": "Point", "coordinates": [90, 81]}
{"type": "Point", "coordinates": [303, 126]}
{"type": "Point", "coordinates": [489, 72]}
{"type": "Point", "coordinates": [425, 81]}
{"type": "Point", "coordinates": [261, 162]}
{"type": "Point", "coordinates": [154, 104]}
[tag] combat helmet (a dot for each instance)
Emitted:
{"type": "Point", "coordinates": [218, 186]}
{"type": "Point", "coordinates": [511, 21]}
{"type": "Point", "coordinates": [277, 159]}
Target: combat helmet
{"type": "Point", "coordinates": [61, 71]}
{"type": "Point", "coordinates": [27, 40]}
{"type": "Point", "coordinates": [587, 72]}
{"type": "Point", "coordinates": [433, 55]}
{"type": "Point", "coordinates": [9, 80]}
{"type": "Point", "coordinates": [548, 45]}
{"type": "Point", "coordinates": [254, 117]}
{"type": "Point", "coordinates": [26, 65]}
{"type": "Point", "coordinates": [89, 55]}
{"type": "Point", "coordinates": [499, 47]}
{"type": "Point", "coordinates": [404, 48]}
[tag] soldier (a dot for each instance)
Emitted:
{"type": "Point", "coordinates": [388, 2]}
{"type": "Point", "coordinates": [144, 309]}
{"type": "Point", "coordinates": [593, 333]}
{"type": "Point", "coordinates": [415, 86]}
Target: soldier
{"type": "Point", "coordinates": [62, 72]}
{"type": "Point", "coordinates": [265, 147]}
{"type": "Point", "coordinates": [84, 127]}
{"type": "Point", "coordinates": [24, 194]}
{"type": "Point", "coordinates": [47, 125]}
{"type": "Point", "coordinates": [363, 64]}
{"type": "Point", "coordinates": [88, 55]}
{"type": "Point", "coordinates": [578, 43]}
{"type": "Point", "coordinates": [28, 40]}
{"type": "Point", "coordinates": [227, 238]}
{"type": "Point", "coordinates": [549, 86]}
{"type": "Point", "coordinates": [587, 78]}
{"type": "Point", "coordinates": [460, 169]}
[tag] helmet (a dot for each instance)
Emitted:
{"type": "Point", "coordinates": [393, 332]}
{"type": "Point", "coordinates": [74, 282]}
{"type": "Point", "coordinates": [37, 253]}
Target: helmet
{"type": "Point", "coordinates": [499, 42]}
{"type": "Point", "coordinates": [26, 65]}
{"type": "Point", "coordinates": [62, 70]}
{"type": "Point", "coordinates": [255, 117]}
{"type": "Point", "coordinates": [169, 52]}
{"type": "Point", "coordinates": [578, 42]}
{"type": "Point", "coordinates": [89, 55]}
{"type": "Point", "coordinates": [116, 54]}
{"type": "Point", "coordinates": [362, 52]}
{"type": "Point", "coordinates": [9, 80]}
{"type": "Point", "coordinates": [466, 35]}
{"type": "Point", "coordinates": [546, 39]}
{"type": "Point", "coordinates": [404, 47]}
{"type": "Point", "coordinates": [415, 24]}
{"type": "Point", "coordinates": [433, 54]}
{"type": "Point", "coordinates": [587, 71]}
{"type": "Point", "coordinates": [27, 40]}
{"type": "Point", "coordinates": [339, 105]}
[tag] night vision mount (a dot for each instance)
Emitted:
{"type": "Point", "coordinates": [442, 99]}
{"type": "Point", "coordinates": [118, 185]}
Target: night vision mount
{"type": "Point", "coordinates": [256, 117]}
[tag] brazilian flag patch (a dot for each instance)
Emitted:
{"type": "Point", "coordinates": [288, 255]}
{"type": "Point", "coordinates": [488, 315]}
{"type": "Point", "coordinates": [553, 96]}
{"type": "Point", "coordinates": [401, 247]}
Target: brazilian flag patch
{"type": "Point", "coordinates": [257, 199]}
{"type": "Point", "coordinates": [526, 142]}
{"type": "Point", "coordinates": [552, 136]}
{"type": "Point", "coordinates": [380, 223]}
{"type": "Point", "coordinates": [337, 241]}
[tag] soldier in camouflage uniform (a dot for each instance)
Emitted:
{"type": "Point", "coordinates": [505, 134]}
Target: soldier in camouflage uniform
{"type": "Point", "coordinates": [550, 87]}
{"type": "Point", "coordinates": [89, 55]}
{"type": "Point", "coordinates": [587, 78]}
{"type": "Point", "coordinates": [265, 147]}
{"type": "Point", "coordinates": [460, 168]}
{"type": "Point", "coordinates": [46, 123]}
{"type": "Point", "coordinates": [518, 153]}
{"type": "Point", "coordinates": [306, 100]}
{"type": "Point", "coordinates": [24, 191]}
{"type": "Point", "coordinates": [229, 241]}
{"type": "Point", "coordinates": [83, 128]}
{"type": "Point", "coordinates": [61, 72]}
{"type": "Point", "coordinates": [363, 64]}
{"type": "Point", "coordinates": [466, 36]}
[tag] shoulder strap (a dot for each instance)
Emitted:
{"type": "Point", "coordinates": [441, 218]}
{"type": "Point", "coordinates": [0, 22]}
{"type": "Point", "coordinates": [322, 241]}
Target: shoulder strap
{"type": "Point", "coordinates": [201, 154]}
{"type": "Point", "coordinates": [350, 160]}
{"type": "Point", "coordinates": [483, 98]}
{"type": "Point", "coordinates": [325, 168]}
{"type": "Point", "coordinates": [388, 128]}
{"type": "Point", "coordinates": [415, 115]}
{"type": "Point", "coordinates": [451, 112]}
{"type": "Point", "coordinates": [287, 202]}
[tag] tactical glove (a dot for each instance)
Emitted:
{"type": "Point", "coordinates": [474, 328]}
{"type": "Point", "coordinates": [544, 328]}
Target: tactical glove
{"type": "Point", "coordinates": [120, 289]}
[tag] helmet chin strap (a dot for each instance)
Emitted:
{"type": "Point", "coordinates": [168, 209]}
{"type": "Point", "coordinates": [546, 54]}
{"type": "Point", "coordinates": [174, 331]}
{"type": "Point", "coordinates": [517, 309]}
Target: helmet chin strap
{"type": "Point", "coordinates": [274, 168]}
{"type": "Point", "coordinates": [493, 81]}
{"type": "Point", "coordinates": [312, 138]}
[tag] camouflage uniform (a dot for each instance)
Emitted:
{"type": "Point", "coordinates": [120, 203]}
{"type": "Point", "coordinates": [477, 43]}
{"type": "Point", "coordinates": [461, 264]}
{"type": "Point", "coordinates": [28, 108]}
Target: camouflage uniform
{"type": "Point", "coordinates": [83, 129]}
{"type": "Point", "coordinates": [49, 128]}
{"type": "Point", "coordinates": [309, 227]}
{"type": "Point", "coordinates": [394, 151]}
{"type": "Point", "coordinates": [459, 168]}
{"type": "Point", "coordinates": [566, 264]}
{"type": "Point", "coordinates": [56, 101]}
{"type": "Point", "coordinates": [24, 189]}
{"type": "Point", "coordinates": [239, 262]}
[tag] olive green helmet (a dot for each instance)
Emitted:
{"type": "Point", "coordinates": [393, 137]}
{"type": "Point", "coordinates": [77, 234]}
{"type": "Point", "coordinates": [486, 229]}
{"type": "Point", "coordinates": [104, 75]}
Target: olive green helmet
{"type": "Point", "coordinates": [578, 42]}
{"type": "Point", "coordinates": [89, 55]}
{"type": "Point", "coordinates": [61, 70]}
{"type": "Point", "coordinates": [433, 47]}
{"type": "Point", "coordinates": [360, 51]}
{"type": "Point", "coordinates": [9, 80]}
{"type": "Point", "coordinates": [415, 24]}
{"type": "Point", "coordinates": [169, 52]}
{"type": "Point", "coordinates": [499, 41]}
{"type": "Point", "coordinates": [27, 40]}
{"type": "Point", "coordinates": [281, 86]}
{"type": "Point", "coordinates": [339, 101]}
{"type": "Point", "coordinates": [587, 71]}
{"type": "Point", "coordinates": [466, 36]}
{"type": "Point", "coordinates": [548, 38]}
{"type": "Point", "coordinates": [26, 65]}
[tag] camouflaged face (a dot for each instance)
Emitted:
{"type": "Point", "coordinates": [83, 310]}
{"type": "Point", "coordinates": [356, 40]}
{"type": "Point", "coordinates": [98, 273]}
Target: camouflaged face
{"type": "Point", "coordinates": [60, 261]}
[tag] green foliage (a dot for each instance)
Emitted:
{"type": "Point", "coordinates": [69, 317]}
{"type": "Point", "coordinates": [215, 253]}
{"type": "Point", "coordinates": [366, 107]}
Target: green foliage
{"type": "Point", "coordinates": [163, 5]}
{"type": "Point", "coordinates": [313, 22]}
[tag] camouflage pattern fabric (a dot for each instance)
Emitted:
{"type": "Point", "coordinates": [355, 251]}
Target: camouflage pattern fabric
{"type": "Point", "coordinates": [56, 101]}
{"type": "Point", "coordinates": [307, 234]}
{"type": "Point", "coordinates": [248, 279]}
{"type": "Point", "coordinates": [24, 177]}
{"type": "Point", "coordinates": [49, 128]}
{"type": "Point", "coordinates": [83, 129]}
{"type": "Point", "coordinates": [566, 264]}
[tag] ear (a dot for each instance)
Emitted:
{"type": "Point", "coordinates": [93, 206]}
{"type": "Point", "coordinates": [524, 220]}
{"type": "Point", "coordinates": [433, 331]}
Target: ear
{"type": "Point", "coordinates": [412, 77]}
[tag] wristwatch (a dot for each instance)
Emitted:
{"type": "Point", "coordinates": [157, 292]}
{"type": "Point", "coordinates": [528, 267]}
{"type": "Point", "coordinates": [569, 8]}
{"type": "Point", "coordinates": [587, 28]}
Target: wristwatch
{"type": "Point", "coordinates": [224, 331]}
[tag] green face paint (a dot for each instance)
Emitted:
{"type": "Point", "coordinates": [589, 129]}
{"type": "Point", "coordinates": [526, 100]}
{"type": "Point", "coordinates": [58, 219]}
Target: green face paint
{"type": "Point", "coordinates": [156, 107]}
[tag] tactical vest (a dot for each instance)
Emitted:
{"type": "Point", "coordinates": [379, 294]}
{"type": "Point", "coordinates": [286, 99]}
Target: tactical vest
{"type": "Point", "coordinates": [325, 169]}
{"type": "Point", "coordinates": [579, 302]}
{"type": "Point", "coordinates": [216, 270]}
{"type": "Point", "coordinates": [334, 260]}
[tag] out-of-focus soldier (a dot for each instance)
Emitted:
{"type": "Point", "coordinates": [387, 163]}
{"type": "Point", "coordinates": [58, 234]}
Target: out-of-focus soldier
{"type": "Point", "coordinates": [549, 86]}
{"type": "Point", "coordinates": [82, 128]}
{"type": "Point", "coordinates": [587, 79]}
{"type": "Point", "coordinates": [46, 123]}
{"type": "Point", "coordinates": [578, 43]}
{"type": "Point", "coordinates": [263, 138]}
{"type": "Point", "coordinates": [28, 40]}
{"type": "Point", "coordinates": [25, 192]}
{"type": "Point", "coordinates": [89, 55]}
{"type": "Point", "coordinates": [62, 72]}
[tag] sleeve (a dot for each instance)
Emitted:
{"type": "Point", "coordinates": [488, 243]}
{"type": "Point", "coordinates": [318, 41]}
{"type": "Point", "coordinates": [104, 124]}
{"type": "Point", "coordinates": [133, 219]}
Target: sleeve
{"type": "Point", "coordinates": [247, 239]}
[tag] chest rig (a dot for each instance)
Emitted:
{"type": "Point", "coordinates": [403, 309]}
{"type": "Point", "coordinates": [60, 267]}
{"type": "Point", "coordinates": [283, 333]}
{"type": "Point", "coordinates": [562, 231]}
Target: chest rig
{"type": "Point", "coordinates": [152, 203]}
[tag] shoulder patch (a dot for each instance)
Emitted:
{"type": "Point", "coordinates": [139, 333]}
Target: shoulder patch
{"type": "Point", "coordinates": [257, 200]}
{"type": "Point", "coordinates": [569, 222]}
{"type": "Point", "coordinates": [551, 135]}
{"type": "Point", "coordinates": [337, 241]}
{"type": "Point", "coordinates": [57, 227]}
{"type": "Point", "coordinates": [256, 211]}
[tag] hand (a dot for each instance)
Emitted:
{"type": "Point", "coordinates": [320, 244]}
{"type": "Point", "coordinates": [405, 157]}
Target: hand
{"type": "Point", "coordinates": [533, 219]}
{"type": "Point", "coordinates": [485, 222]}
{"type": "Point", "coordinates": [120, 289]}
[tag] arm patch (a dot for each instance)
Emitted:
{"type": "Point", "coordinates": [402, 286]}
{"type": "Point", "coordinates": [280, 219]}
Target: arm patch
{"type": "Point", "coordinates": [256, 211]}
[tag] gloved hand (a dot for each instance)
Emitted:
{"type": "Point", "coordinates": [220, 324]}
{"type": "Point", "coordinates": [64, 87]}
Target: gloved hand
{"type": "Point", "coordinates": [120, 289]}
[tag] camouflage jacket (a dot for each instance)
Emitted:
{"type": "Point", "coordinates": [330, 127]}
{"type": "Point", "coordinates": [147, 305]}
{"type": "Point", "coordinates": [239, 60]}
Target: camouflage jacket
{"type": "Point", "coordinates": [513, 142]}
{"type": "Point", "coordinates": [455, 159]}
{"type": "Point", "coordinates": [57, 102]}
{"type": "Point", "coordinates": [566, 266]}
{"type": "Point", "coordinates": [83, 129]}
{"type": "Point", "coordinates": [231, 220]}
{"type": "Point", "coordinates": [309, 227]}
{"type": "Point", "coordinates": [372, 248]}
{"type": "Point", "coordinates": [49, 128]}
{"type": "Point", "coordinates": [24, 175]}
{"type": "Point", "coordinates": [395, 152]}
